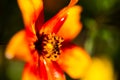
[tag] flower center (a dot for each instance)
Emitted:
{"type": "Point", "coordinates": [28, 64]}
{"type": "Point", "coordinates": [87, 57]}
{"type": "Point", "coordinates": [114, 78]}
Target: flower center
{"type": "Point", "coordinates": [48, 45]}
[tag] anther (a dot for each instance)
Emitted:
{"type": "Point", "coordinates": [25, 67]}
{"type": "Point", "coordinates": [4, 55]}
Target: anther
{"type": "Point", "coordinates": [48, 45]}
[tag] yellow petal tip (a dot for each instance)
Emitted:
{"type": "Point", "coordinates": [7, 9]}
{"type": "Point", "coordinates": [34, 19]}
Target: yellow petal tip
{"type": "Point", "coordinates": [9, 56]}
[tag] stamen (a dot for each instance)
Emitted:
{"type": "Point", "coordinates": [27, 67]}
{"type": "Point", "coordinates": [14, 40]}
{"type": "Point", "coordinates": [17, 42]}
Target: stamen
{"type": "Point", "coordinates": [48, 45]}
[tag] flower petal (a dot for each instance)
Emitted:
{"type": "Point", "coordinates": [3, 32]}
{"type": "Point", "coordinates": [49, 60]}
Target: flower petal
{"type": "Point", "coordinates": [17, 47]}
{"type": "Point", "coordinates": [31, 10]}
{"type": "Point", "coordinates": [54, 24]}
{"type": "Point", "coordinates": [101, 69]}
{"type": "Point", "coordinates": [44, 70]}
{"type": "Point", "coordinates": [72, 2]}
{"type": "Point", "coordinates": [72, 25]}
{"type": "Point", "coordinates": [54, 71]}
{"type": "Point", "coordinates": [33, 71]}
{"type": "Point", "coordinates": [74, 60]}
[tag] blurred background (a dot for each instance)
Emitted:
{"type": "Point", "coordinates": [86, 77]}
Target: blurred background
{"type": "Point", "coordinates": [100, 36]}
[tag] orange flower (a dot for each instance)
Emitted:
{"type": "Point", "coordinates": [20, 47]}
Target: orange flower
{"type": "Point", "coordinates": [46, 46]}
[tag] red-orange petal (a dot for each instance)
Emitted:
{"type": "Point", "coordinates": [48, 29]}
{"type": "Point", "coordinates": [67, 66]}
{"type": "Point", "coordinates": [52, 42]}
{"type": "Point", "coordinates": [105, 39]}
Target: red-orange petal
{"type": "Point", "coordinates": [18, 47]}
{"type": "Point", "coordinates": [72, 2]}
{"type": "Point", "coordinates": [34, 71]}
{"type": "Point", "coordinates": [72, 26]}
{"type": "Point", "coordinates": [74, 60]}
{"type": "Point", "coordinates": [44, 70]}
{"type": "Point", "coordinates": [55, 23]}
{"type": "Point", "coordinates": [31, 10]}
{"type": "Point", "coordinates": [54, 71]}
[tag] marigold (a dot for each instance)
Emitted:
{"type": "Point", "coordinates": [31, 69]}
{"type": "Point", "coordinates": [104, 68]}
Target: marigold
{"type": "Point", "coordinates": [46, 46]}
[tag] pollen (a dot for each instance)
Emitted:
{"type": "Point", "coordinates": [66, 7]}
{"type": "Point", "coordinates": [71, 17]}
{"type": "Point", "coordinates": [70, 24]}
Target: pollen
{"type": "Point", "coordinates": [49, 45]}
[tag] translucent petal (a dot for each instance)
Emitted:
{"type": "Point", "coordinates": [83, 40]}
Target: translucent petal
{"type": "Point", "coordinates": [43, 70]}
{"type": "Point", "coordinates": [18, 47]}
{"type": "Point", "coordinates": [62, 19]}
{"type": "Point", "coordinates": [31, 10]}
{"type": "Point", "coordinates": [72, 26]}
{"type": "Point", "coordinates": [74, 60]}
{"type": "Point", "coordinates": [35, 71]}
